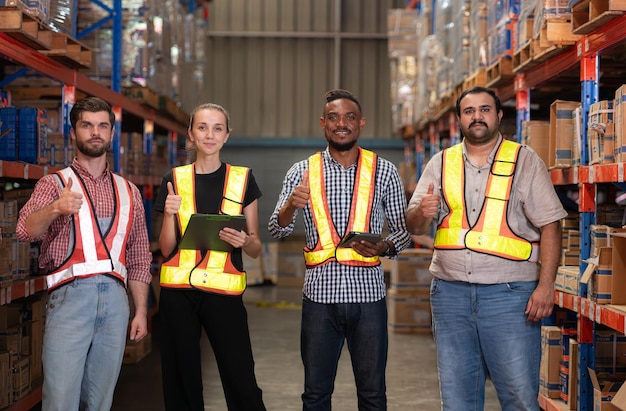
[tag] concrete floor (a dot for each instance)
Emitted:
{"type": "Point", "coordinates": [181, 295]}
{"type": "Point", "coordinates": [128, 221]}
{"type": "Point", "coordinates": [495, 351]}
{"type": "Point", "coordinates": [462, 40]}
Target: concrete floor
{"type": "Point", "coordinates": [274, 319]}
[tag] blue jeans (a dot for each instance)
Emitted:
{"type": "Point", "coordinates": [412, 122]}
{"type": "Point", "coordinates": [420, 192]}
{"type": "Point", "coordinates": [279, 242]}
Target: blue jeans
{"type": "Point", "coordinates": [83, 344]}
{"type": "Point", "coordinates": [481, 330]}
{"type": "Point", "coordinates": [323, 331]}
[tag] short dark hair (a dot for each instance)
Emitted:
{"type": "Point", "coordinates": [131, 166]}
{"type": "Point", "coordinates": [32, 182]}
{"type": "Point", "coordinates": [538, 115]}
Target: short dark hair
{"type": "Point", "coordinates": [337, 94]}
{"type": "Point", "coordinates": [478, 90]}
{"type": "Point", "coordinates": [93, 105]}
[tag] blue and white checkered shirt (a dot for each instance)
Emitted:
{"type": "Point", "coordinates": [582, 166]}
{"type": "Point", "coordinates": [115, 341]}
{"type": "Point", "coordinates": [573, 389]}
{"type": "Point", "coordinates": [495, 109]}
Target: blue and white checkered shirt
{"type": "Point", "coordinates": [333, 282]}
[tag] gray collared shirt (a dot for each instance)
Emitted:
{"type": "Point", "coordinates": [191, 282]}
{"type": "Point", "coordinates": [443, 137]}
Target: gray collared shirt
{"type": "Point", "coordinates": [532, 205]}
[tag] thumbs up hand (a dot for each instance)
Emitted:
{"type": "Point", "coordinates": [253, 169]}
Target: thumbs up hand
{"type": "Point", "coordinates": [172, 201]}
{"type": "Point", "coordinates": [70, 202]}
{"type": "Point", "coordinates": [301, 194]}
{"type": "Point", "coordinates": [430, 202]}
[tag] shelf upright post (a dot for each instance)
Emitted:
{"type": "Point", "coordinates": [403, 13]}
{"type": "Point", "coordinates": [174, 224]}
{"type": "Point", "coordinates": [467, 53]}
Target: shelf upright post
{"type": "Point", "coordinates": [419, 156]}
{"type": "Point", "coordinates": [116, 146]}
{"type": "Point", "coordinates": [434, 139]}
{"type": "Point", "coordinates": [454, 128]}
{"type": "Point", "coordinates": [522, 103]}
{"type": "Point", "coordinates": [172, 147]}
{"type": "Point", "coordinates": [68, 94]}
{"type": "Point", "coordinates": [589, 94]}
{"type": "Point", "coordinates": [116, 77]}
{"type": "Point", "coordinates": [148, 138]}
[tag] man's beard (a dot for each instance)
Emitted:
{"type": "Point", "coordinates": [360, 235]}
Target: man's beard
{"type": "Point", "coordinates": [347, 146]}
{"type": "Point", "coordinates": [92, 151]}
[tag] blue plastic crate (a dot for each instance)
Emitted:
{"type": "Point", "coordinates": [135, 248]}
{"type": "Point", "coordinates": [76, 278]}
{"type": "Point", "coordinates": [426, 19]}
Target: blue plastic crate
{"type": "Point", "coordinates": [8, 133]}
{"type": "Point", "coordinates": [29, 123]}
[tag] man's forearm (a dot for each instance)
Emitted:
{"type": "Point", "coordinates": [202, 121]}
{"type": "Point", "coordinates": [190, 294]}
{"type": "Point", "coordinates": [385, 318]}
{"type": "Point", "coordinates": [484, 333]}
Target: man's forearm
{"type": "Point", "coordinates": [38, 222]}
{"type": "Point", "coordinates": [139, 292]}
{"type": "Point", "coordinates": [416, 222]}
{"type": "Point", "coordinates": [285, 215]}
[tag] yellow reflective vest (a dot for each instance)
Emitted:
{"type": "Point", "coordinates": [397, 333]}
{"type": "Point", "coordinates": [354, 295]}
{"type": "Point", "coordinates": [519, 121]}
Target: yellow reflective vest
{"type": "Point", "coordinates": [491, 234]}
{"type": "Point", "coordinates": [214, 270]}
{"type": "Point", "coordinates": [360, 211]}
{"type": "Point", "coordinates": [92, 252]}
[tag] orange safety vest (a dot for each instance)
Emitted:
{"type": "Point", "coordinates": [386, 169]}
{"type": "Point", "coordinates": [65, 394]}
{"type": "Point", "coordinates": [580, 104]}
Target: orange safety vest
{"type": "Point", "coordinates": [491, 234]}
{"type": "Point", "coordinates": [360, 211]}
{"type": "Point", "coordinates": [214, 271]}
{"type": "Point", "coordinates": [92, 252]}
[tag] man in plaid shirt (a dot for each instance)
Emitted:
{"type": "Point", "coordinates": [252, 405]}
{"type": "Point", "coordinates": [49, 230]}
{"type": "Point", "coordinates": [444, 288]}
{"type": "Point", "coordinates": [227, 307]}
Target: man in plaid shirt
{"type": "Point", "coordinates": [342, 189]}
{"type": "Point", "coordinates": [94, 242]}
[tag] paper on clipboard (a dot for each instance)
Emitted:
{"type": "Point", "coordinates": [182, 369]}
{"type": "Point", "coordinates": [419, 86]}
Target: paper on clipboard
{"type": "Point", "coordinates": [358, 236]}
{"type": "Point", "coordinates": [203, 230]}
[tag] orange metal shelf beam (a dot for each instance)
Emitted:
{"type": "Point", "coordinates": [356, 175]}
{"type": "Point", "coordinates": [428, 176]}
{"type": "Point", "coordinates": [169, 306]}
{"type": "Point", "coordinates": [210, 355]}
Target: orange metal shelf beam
{"type": "Point", "coordinates": [23, 170]}
{"type": "Point", "coordinates": [564, 176]}
{"type": "Point", "coordinates": [603, 38]}
{"type": "Point", "coordinates": [22, 289]}
{"type": "Point", "coordinates": [31, 58]}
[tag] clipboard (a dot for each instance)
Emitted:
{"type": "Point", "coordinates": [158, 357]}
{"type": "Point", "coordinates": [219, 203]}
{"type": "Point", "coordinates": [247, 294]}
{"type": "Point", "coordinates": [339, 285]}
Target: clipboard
{"type": "Point", "coordinates": [358, 236]}
{"type": "Point", "coordinates": [203, 230]}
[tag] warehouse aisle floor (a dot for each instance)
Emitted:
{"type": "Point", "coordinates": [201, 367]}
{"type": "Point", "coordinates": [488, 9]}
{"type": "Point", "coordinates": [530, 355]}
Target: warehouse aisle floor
{"type": "Point", "coordinates": [274, 318]}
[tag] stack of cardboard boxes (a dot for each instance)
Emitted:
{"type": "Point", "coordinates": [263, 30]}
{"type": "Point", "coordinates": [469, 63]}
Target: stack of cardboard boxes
{"type": "Point", "coordinates": [408, 296]}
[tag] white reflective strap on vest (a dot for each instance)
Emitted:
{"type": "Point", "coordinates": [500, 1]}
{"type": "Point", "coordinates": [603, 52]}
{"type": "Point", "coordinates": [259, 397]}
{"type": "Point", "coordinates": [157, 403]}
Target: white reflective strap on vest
{"type": "Point", "coordinates": [123, 214]}
{"type": "Point", "coordinates": [87, 269]}
{"type": "Point", "coordinates": [90, 263]}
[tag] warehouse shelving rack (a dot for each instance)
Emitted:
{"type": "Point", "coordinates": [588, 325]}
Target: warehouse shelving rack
{"type": "Point", "coordinates": [585, 57]}
{"type": "Point", "coordinates": [22, 47]}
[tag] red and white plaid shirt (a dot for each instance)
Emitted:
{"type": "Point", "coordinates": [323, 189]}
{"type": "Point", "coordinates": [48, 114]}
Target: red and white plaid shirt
{"type": "Point", "coordinates": [55, 242]}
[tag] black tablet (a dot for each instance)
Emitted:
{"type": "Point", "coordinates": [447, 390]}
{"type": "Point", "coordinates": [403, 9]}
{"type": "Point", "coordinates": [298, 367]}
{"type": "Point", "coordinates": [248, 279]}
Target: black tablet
{"type": "Point", "coordinates": [203, 230]}
{"type": "Point", "coordinates": [358, 236]}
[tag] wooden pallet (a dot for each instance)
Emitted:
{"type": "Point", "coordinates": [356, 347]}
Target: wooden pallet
{"type": "Point", "coordinates": [588, 15]}
{"type": "Point", "coordinates": [523, 58]}
{"type": "Point", "coordinates": [477, 78]}
{"type": "Point", "coordinates": [500, 72]}
{"type": "Point", "coordinates": [559, 33]}
{"type": "Point", "coordinates": [152, 99]}
{"type": "Point", "coordinates": [541, 54]}
{"type": "Point", "coordinates": [20, 25]}
{"type": "Point", "coordinates": [40, 94]}
{"type": "Point", "coordinates": [68, 51]}
{"type": "Point", "coordinates": [445, 104]}
{"type": "Point", "coordinates": [29, 30]}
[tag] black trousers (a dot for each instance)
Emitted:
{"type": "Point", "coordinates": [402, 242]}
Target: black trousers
{"type": "Point", "coordinates": [183, 315]}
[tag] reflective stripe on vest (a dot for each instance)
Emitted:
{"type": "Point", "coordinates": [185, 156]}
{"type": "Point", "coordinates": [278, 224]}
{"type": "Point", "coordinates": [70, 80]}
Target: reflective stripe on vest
{"type": "Point", "coordinates": [491, 234]}
{"type": "Point", "coordinates": [188, 268]}
{"type": "Point", "coordinates": [360, 211]}
{"type": "Point", "coordinates": [91, 253]}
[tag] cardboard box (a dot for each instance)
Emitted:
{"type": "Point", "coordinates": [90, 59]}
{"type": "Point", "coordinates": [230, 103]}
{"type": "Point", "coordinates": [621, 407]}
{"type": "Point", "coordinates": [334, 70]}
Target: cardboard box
{"type": "Point", "coordinates": [549, 378]}
{"type": "Point", "coordinates": [613, 287]}
{"type": "Point", "coordinates": [409, 314]}
{"type": "Point", "coordinates": [6, 380]}
{"type": "Point", "coordinates": [608, 394]}
{"type": "Point", "coordinates": [21, 378]}
{"type": "Point", "coordinates": [569, 387]}
{"type": "Point", "coordinates": [536, 134]}
{"type": "Point", "coordinates": [410, 270]}
{"type": "Point", "coordinates": [561, 133]}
